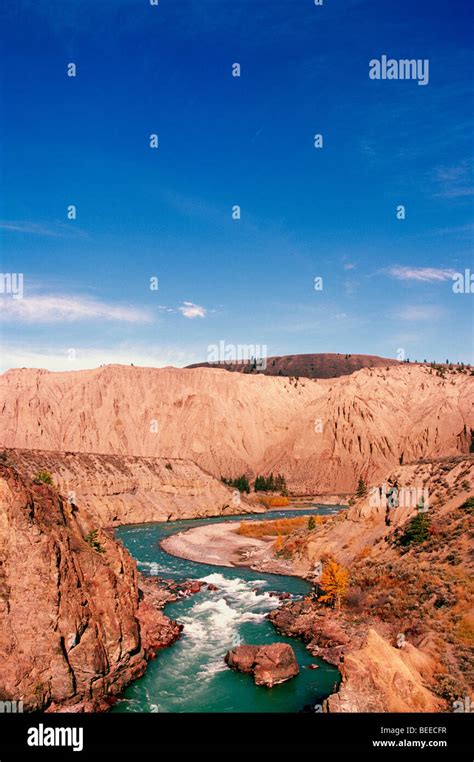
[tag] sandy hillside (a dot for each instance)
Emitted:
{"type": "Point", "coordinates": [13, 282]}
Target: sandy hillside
{"type": "Point", "coordinates": [322, 433]}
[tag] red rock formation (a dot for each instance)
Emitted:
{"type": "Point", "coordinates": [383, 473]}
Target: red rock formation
{"type": "Point", "coordinates": [69, 606]}
{"type": "Point", "coordinates": [270, 665]}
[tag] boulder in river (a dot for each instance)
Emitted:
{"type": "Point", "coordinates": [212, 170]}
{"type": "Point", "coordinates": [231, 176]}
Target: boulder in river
{"type": "Point", "coordinates": [270, 665]}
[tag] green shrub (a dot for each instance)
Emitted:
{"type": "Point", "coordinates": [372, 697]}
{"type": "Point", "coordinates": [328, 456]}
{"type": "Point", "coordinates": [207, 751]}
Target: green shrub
{"type": "Point", "coordinates": [468, 505]}
{"type": "Point", "coordinates": [43, 477]}
{"type": "Point", "coordinates": [417, 531]}
{"type": "Point", "coordinates": [94, 543]}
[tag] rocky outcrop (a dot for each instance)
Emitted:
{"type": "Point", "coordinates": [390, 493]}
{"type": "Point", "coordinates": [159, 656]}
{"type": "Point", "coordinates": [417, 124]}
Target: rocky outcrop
{"type": "Point", "coordinates": [376, 676]}
{"type": "Point", "coordinates": [157, 630]}
{"type": "Point", "coordinates": [115, 489]}
{"type": "Point", "coordinates": [319, 629]}
{"type": "Point", "coordinates": [381, 678]}
{"type": "Point", "coordinates": [270, 665]}
{"type": "Point", "coordinates": [323, 434]}
{"type": "Point", "coordinates": [75, 629]}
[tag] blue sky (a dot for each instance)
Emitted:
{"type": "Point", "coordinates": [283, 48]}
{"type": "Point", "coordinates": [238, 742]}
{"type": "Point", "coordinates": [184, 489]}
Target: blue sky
{"type": "Point", "coordinates": [225, 141]}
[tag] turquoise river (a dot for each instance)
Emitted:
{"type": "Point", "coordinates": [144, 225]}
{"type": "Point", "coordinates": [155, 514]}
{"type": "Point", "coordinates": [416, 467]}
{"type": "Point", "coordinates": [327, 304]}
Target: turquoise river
{"type": "Point", "coordinates": [191, 676]}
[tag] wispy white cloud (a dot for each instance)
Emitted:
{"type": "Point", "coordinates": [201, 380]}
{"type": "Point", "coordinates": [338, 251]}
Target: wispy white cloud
{"type": "Point", "coordinates": [70, 309]}
{"type": "Point", "coordinates": [52, 230]}
{"type": "Point", "coordinates": [420, 312]}
{"type": "Point", "coordinates": [83, 358]}
{"type": "Point", "coordinates": [421, 274]}
{"type": "Point", "coordinates": [459, 230]}
{"type": "Point", "coordinates": [190, 310]}
{"type": "Point", "coordinates": [455, 181]}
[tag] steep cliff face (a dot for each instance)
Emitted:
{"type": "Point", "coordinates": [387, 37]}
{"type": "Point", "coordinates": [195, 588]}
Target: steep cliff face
{"type": "Point", "coordinates": [321, 433]}
{"type": "Point", "coordinates": [69, 604]}
{"type": "Point", "coordinates": [115, 489]}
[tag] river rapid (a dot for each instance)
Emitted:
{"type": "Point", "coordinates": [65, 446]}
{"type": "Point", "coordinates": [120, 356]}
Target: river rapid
{"type": "Point", "coordinates": [191, 675]}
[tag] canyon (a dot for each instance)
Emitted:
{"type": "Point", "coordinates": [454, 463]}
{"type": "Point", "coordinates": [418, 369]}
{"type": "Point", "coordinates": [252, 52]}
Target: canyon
{"type": "Point", "coordinates": [128, 445]}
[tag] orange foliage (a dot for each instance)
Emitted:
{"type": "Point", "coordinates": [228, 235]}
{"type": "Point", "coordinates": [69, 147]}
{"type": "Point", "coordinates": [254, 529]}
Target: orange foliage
{"type": "Point", "coordinates": [334, 581]}
{"type": "Point", "coordinates": [278, 544]}
{"type": "Point", "coordinates": [270, 528]}
{"type": "Point", "coordinates": [275, 502]}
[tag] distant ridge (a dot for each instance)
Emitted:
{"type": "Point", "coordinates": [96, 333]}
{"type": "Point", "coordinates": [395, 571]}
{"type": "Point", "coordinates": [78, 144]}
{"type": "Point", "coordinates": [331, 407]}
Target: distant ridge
{"type": "Point", "coordinates": [322, 434]}
{"type": "Point", "coordinates": [324, 365]}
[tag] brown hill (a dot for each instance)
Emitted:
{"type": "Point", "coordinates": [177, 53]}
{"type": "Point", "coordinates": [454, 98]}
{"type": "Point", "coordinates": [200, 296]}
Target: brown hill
{"type": "Point", "coordinates": [323, 365]}
{"type": "Point", "coordinates": [322, 434]}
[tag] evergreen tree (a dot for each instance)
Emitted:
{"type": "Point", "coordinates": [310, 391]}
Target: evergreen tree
{"type": "Point", "coordinates": [416, 532]}
{"type": "Point", "coordinates": [361, 488]}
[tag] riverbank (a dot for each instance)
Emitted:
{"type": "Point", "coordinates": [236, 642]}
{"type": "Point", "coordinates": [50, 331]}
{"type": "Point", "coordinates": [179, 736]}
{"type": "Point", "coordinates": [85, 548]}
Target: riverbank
{"type": "Point", "coordinates": [219, 544]}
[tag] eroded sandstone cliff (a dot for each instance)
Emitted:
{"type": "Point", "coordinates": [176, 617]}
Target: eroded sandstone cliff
{"type": "Point", "coordinates": [321, 433]}
{"type": "Point", "coordinates": [116, 489]}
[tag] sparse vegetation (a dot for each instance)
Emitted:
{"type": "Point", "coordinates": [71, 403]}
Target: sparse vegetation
{"type": "Point", "coordinates": [468, 505]}
{"type": "Point", "coordinates": [259, 529]}
{"type": "Point", "coordinates": [92, 540]}
{"type": "Point", "coordinates": [43, 477]}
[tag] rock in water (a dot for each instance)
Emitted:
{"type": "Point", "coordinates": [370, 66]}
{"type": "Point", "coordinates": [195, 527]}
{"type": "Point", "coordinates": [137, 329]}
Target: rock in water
{"type": "Point", "coordinates": [270, 665]}
{"type": "Point", "coordinates": [242, 658]}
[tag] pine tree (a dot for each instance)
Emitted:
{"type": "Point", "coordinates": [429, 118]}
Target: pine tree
{"type": "Point", "coordinates": [416, 531]}
{"type": "Point", "coordinates": [361, 488]}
